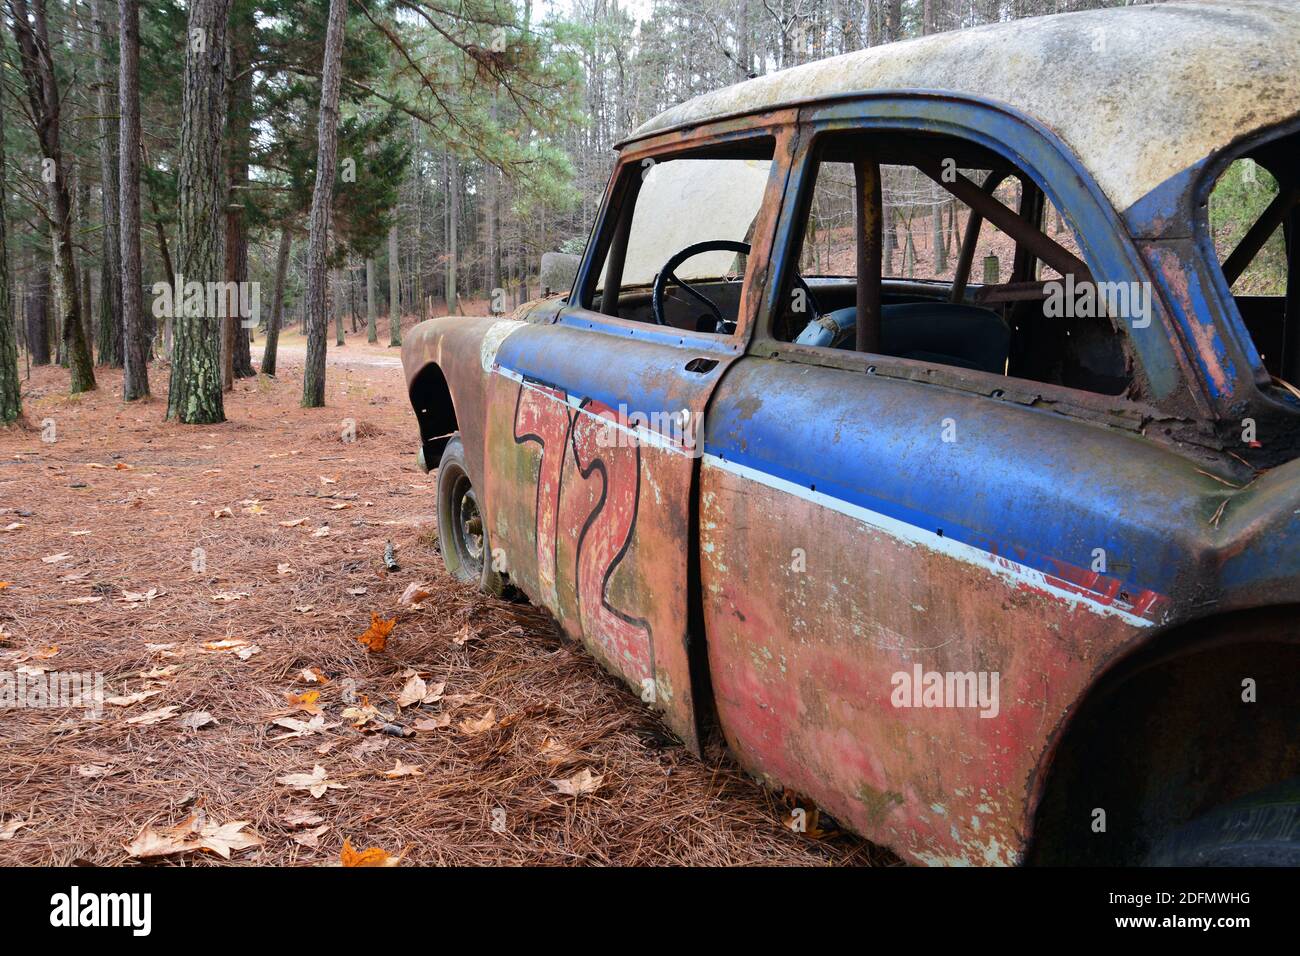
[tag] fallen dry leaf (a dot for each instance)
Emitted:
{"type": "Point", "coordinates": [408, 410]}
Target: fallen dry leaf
{"type": "Point", "coordinates": [15, 526]}
{"type": "Point", "coordinates": [85, 600]}
{"type": "Point", "coordinates": [403, 770]}
{"type": "Point", "coordinates": [376, 636]}
{"type": "Point", "coordinates": [311, 838]}
{"type": "Point", "coordinates": [155, 716]}
{"type": "Point", "coordinates": [314, 783]}
{"type": "Point", "coordinates": [95, 770]}
{"type": "Point", "coordinates": [224, 838]}
{"type": "Point", "coordinates": [228, 644]}
{"type": "Point", "coordinates": [371, 857]}
{"type": "Point", "coordinates": [584, 781]}
{"type": "Point", "coordinates": [56, 558]}
{"type": "Point", "coordinates": [557, 752]}
{"type": "Point", "coordinates": [7, 830]}
{"type": "Point", "coordinates": [293, 523]}
{"type": "Point", "coordinates": [223, 513]}
{"type": "Point", "coordinates": [302, 728]}
{"type": "Point", "coordinates": [160, 673]}
{"type": "Point", "coordinates": [305, 701]}
{"type": "Point", "coordinates": [321, 532]}
{"type": "Point", "coordinates": [417, 691]}
{"type": "Point", "coordinates": [129, 699]}
{"type": "Point", "coordinates": [415, 593]}
{"type": "Point", "coordinates": [283, 568]}
{"type": "Point", "coordinates": [482, 725]}
{"type": "Point", "coordinates": [312, 675]}
{"type": "Point", "coordinates": [197, 720]}
{"type": "Point", "coordinates": [190, 835]}
{"type": "Point", "coordinates": [434, 723]}
{"type": "Point", "coordinates": [806, 824]}
{"type": "Point", "coordinates": [303, 817]}
{"type": "Point", "coordinates": [230, 595]}
{"type": "Point", "coordinates": [363, 714]}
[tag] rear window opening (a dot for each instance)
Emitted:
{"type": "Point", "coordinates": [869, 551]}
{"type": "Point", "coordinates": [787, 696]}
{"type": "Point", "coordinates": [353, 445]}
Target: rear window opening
{"type": "Point", "coordinates": [988, 289]}
{"type": "Point", "coordinates": [1253, 218]}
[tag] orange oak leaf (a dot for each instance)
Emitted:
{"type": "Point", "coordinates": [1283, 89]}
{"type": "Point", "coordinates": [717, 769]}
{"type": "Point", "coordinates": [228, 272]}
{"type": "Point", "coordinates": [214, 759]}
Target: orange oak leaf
{"type": "Point", "coordinates": [304, 701]}
{"type": "Point", "coordinates": [371, 857]}
{"type": "Point", "coordinates": [376, 636]}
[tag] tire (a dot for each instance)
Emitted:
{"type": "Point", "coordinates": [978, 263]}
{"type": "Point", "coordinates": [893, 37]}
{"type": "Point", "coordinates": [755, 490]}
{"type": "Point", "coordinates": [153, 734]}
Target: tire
{"type": "Point", "coordinates": [1262, 829]}
{"type": "Point", "coordinates": [462, 529]}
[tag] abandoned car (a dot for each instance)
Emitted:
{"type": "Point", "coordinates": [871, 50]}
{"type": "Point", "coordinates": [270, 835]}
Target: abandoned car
{"type": "Point", "coordinates": [921, 424]}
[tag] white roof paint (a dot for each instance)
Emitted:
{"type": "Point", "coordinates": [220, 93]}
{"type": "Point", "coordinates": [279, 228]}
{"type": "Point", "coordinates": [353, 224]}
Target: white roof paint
{"type": "Point", "coordinates": [1138, 93]}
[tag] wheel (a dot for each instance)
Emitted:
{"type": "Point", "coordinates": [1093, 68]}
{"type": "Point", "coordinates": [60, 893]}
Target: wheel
{"type": "Point", "coordinates": [462, 531]}
{"type": "Point", "coordinates": [1262, 829]}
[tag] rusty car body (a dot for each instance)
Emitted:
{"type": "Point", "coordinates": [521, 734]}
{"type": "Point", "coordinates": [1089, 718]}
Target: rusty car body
{"type": "Point", "coordinates": [760, 529]}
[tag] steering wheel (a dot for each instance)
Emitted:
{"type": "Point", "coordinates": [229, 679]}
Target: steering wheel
{"type": "Point", "coordinates": [721, 325]}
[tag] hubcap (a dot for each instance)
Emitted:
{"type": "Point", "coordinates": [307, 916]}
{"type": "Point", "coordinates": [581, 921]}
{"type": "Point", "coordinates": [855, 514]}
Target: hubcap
{"type": "Point", "coordinates": [468, 524]}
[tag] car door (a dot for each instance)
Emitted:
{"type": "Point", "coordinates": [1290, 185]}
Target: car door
{"type": "Point", "coordinates": [909, 572]}
{"type": "Point", "coordinates": [592, 423]}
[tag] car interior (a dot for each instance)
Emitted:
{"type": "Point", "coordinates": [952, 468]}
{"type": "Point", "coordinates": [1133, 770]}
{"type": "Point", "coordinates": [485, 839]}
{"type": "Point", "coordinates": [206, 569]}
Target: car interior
{"type": "Point", "coordinates": [963, 243]}
{"type": "Point", "coordinates": [956, 256]}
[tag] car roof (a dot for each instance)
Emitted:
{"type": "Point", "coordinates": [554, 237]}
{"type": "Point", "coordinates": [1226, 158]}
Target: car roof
{"type": "Point", "coordinates": [1138, 93]}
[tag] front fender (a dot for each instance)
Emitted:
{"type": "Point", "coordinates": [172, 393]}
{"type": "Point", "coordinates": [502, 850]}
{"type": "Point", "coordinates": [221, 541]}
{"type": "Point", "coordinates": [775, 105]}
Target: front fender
{"type": "Point", "coordinates": [446, 362]}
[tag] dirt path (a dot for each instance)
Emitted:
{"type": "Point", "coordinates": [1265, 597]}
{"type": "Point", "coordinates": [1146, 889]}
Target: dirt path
{"type": "Point", "coordinates": [357, 353]}
{"type": "Point", "coordinates": [220, 570]}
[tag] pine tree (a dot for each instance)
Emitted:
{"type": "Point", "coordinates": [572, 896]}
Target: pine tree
{"type": "Point", "coordinates": [195, 395]}
{"type": "Point", "coordinates": [313, 379]}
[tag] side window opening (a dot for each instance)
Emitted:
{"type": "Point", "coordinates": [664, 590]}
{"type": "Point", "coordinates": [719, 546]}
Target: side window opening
{"type": "Point", "coordinates": [985, 289]}
{"type": "Point", "coordinates": [1254, 224]}
{"type": "Point", "coordinates": [690, 219]}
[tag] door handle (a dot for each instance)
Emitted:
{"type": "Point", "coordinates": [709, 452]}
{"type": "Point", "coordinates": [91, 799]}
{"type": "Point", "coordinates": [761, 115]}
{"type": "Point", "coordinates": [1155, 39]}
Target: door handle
{"type": "Point", "coordinates": [701, 366]}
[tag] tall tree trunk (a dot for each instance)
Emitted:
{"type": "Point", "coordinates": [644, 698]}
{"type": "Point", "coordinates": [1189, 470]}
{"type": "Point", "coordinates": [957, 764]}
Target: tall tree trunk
{"type": "Point", "coordinates": [164, 333]}
{"type": "Point", "coordinates": [11, 405]}
{"type": "Point", "coordinates": [38, 325]}
{"type": "Point", "coordinates": [277, 303]}
{"type": "Point", "coordinates": [135, 337]}
{"type": "Point", "coordinates": [195, 396]}
{"type": "Point", "coordinates": [32, 35]}
{"type": "Point", "coordinates": [338, 307]}
{"type": "Point", "coordinates": [372, 330]}
{"type": "Point", "coordinates": [453, 217]}
{"type": "Point", "coordinates": [240, 127]}
{"type": "Point", "coordinates": [109, 333]}
{"type": "Point", "coordinates": [394, 290]}
{"type": "Point", "coordinates": [313, 377]}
